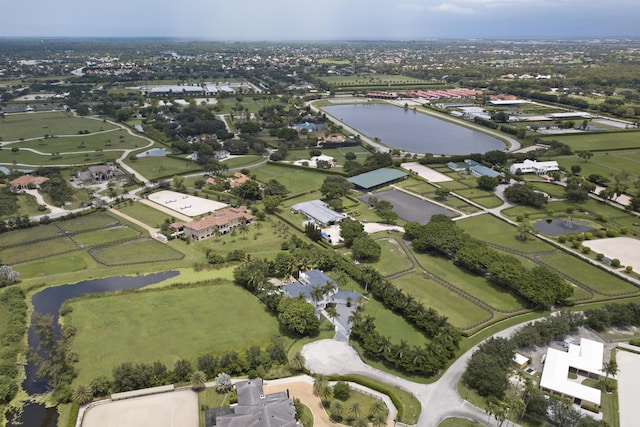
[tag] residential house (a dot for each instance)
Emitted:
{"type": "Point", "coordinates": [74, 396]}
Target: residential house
{"type": "Point", "coordinates": [254, 408]}
{"type": "Point", "coordinates": [235, 181]}
{"type": "Point", "coordinates": [100, 173]}
{"type": "Point", "coordinates": [25, 182]}
{"type": "Point", "coordinates": [533, 166]}
{"type": "Point", "coordinates": [220, 222]}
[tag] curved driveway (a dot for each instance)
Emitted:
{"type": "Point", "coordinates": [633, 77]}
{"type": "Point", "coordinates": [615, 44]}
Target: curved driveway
{"type": "Point", "coordinates": [439, 400]}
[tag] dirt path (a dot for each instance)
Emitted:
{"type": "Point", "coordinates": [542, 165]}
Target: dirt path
{"type": "Point", "coordinates": [152, 231]}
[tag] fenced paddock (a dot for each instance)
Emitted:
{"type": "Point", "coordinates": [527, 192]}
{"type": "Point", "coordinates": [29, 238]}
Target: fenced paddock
{"type": "Point", "coordinates": [171, 409]}
{"type": "Point", "coordinates": [185, 204]}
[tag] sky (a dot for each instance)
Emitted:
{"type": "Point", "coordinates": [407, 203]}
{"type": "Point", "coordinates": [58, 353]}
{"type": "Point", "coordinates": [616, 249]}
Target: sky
{"type": "Point", "coordinates": [280, 20]}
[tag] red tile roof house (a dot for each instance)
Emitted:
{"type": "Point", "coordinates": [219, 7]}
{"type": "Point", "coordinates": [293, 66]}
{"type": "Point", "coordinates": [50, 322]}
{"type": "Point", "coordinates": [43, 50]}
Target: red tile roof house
{"type": "Point", "coordinates": [222, 222]}
{"type": "Point", "coordinates": [236, 181]}
{"type": "Point", "coordinates": [26, 181]}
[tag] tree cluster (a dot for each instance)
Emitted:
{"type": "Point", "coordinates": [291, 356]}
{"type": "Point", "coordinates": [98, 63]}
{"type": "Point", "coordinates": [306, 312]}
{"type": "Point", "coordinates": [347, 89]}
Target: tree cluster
{"type": "Point", "coordinates": [14, 308]}
{"type": "Point", "coordinates": [363, 247]}
{"type": "Point", "coordinates": [619, 315]}
{"type": "Point", "coordinates": [525, 195]}
{"type": "Point", "coordinates": [538, 285]}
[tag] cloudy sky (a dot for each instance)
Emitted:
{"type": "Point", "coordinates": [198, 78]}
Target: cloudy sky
{"type": "Point", "coordinates": [320, 19]}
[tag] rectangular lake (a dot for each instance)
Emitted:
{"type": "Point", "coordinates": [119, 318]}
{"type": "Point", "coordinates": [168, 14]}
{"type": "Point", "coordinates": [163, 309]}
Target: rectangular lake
{"type": "Point", "coordinates": [411, 131]}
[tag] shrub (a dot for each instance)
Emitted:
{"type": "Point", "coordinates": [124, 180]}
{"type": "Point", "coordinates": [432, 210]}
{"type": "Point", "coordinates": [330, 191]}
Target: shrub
{"type": "Point", "coordinates": [585, 249]}
{"type": "Point", "coordinates": [615, 262]}
{"type": "Point", "coordinates": [628, 269]}
{"type": "Point", "coordinates": [635, 341]}
{"type": "Point", "coordinates": [588, 235]}
{"type": "Point", "coordinates": [569, 210]}
{"type": "Point", "coordinates": [562, 238]}
{"type": "Point", "coordinates": [624, 230]}
{"type": "Point", "coordinates": [601, 233]}
{"type": "Point", "coordinates": [576, 244]}
{"type": "Point", "coordinates": [612, 233]}
{"type": "Point", "coordinates": [602, 217]}
{"type": "Point", "coordinates": [341, 390]}
{"type": "Point", "coordinates": [579, 237]}
{"type": "Point", "coordinates": [520, 218]}
{"type": "Point", "coordinates": [599, 257]}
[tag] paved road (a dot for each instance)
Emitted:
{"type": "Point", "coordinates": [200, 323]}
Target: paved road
{"type": "Point", "coordinates": [439, 400]}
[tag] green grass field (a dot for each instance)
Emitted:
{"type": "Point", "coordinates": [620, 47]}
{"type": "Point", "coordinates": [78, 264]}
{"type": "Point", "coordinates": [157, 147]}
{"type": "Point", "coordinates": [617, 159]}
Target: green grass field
{"type": "Point", "coordinates": [394, 260]}
{"type": "Point", "coordinates": [46, 268]}
{"type": "Point", "coordinates": [107, 141]}
{"type": "Point", "coordinates": [490, 229]}
{"type": "Point", "coordinates": [599, 141]}
{"type": "Point", "coordinates": [30, 158]}
{"type": "Point", "coordinates": [136, 251]}
{"type": "Point", "coordinates": [88, 222]}
{"type": "Point", "coordinates": [145, 213]}
{"type": "Point", "coordinates": [158, 167]}
{"type": "Point", "coordinates": [33, 251]}
{"type": "Point", "coordinates": [27, 235]}
{"type": "Point", "coordinates": [473, 284]}
{"type": "Point", "coordinates": [596, 279]}
{"type": "Point", "coordinates": [392, 325]}
{"type": "Point", "coordinates": [36, 125]}
{"type": "Point", "coordinates": [166, 325]}
{"type": "Point", "coordinates": [107, 235]}
{"type": "Point", "coordinates": [461, 312]}
{"type": "Point", "coordinates": [242, 161]}
{"type": "Point", "coordinates": [296, 180]}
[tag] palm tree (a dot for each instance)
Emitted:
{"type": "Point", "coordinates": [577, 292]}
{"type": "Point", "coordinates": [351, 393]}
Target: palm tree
{"type": "Point", "coordinates": [379, 420]}
{"type": "Point", "coordinates": [377, 408]}
{"type": "Point", "coordinates": [610, 368]}
{"type": "Point", "coordinates": [82, 394]}
{"type": "Point", "coordinates": [354, 410]}
{"type": "Point", "coordinates": [317, 294]}
{"type": "Point", "coordinates": [360, 422]}
{"type": "Point", "coordinates": [233, 235]}
{"type": "Point", "coordinates": [336, 408]}
{"type": "Point", "coordinates": [258, 226]}
{"type": "Point", "coordinates": [319, 383]}
{"type": "Point", "coordinates": [325, 393]}
{"type": "Point", "coordinates": [198, 378]}
{"type": "Point", "coordinates": [244, 230]}
{"type": "Point", "coordinates": [297, 362]}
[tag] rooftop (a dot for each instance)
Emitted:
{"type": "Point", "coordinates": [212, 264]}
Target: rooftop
{"type": "Point", "coordinates": [376, 178]}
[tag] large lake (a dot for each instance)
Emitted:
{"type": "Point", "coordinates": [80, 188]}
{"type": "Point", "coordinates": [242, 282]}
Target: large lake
{"type": "Point", "coordinates": [411, 131]}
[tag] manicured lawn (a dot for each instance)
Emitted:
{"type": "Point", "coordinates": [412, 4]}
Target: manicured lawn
{"type": "Point", "coordinates": [454, 185]}
{"type": "Point", "coordinates": [393, 326]}
{"type": "Point", "coordinates": [595, 167]}
{"type": "Point", "coordinates": [88, 222]}
{"type": "Point", "coordinates": [475, 193]}
{"type": "Point", "coordinates": [461, 312]}
{"type": "Point", "coordinates": [166, 325]}
{"type": "Point", "coordinates": [421, 188]}
{"type": "Point", "coordinates": [600, 141]}
{"type": "Point", "coordinates": [28, 205]}
{"type": "Point", "coordinates": [107, 141]}
{"type": "Point", "coordinates": [136, 251]}
{"type": "Point", "coordinates": [598, 280]}
{"type": "Point", "coordinates": [107, 235]}
{"type": "Point", "coordinates": [296, 180]}
{"type": "Point", "coordinates": [488, 202]}
{"type": "Point", "coordinates": [31, 158]}
{"type": "Point", "coordinates": [473, 284]}
{"type": "Point", "coordinates": [145, 214]}
{"type": "Point", "coordinates": [17, 237]}
{"type": "Point", "coordinates": [553, 190]}
{"type": "Point", "coordinates": [393, 259]}
{"type": "Point", "coordinates": [163, 167]}
{"type": "Point", "coordinates": [58, 264]}
{"type": "Point", "coordinates": [490, 229]}
{"type": "Point", "coordinates": [32, 251]}
{"type": "Point", "coordinates": [242, 161]}
{"type": "Point", "coordinates": [364, 401]}
{"type": "Point", "coordinates": [36, 125]}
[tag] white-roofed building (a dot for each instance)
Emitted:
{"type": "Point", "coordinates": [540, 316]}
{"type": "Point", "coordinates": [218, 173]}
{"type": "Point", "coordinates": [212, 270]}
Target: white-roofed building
{"type": "Point", "coordinates": [318, 211]}
{"type": "Point", "coordinates": [533, 166]}
{"type": "Point", "coordinates": [584, 360]}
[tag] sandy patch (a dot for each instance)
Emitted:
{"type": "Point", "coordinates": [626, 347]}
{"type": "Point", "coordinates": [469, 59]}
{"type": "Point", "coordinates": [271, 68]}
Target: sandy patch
{"type": "Point", "coordinates": [426, 172]}
{"type": "Point", "coordinates": [628, 380]}
{"type": "Point", "coordinates": [626, 249]}
{"type": "Point", "coordinates": [185, 204]}
{"type": "Point", "coordinates": [174, 409]}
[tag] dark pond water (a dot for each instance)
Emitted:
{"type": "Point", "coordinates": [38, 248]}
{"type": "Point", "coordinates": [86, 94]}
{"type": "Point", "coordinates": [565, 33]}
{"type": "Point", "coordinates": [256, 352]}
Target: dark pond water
{"type": "Point", "coordinates": [49, 301]}
{"type": "Point", "coordinates": [556, 227]}
{"type": "Point", "coordinates": [412, 131]}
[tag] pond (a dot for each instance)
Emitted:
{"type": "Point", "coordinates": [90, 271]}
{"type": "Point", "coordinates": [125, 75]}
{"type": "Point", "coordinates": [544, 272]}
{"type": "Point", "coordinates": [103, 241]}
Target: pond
{"type": "Point", "coordinates": [154, 152]}
{"type": "Point", "coordinates": [557, 226]}
{"type": "Point", "coordinates": [50, 300]}
{"type": "Point", "coordinates": [412, 131]}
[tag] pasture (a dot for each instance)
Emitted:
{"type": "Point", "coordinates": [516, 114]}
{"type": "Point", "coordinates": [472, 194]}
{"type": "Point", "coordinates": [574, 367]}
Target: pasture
{"type": "Point", "coordinates": [394, 259]}
{"type": "Point", "coordinates": [599, 141]}
{"type": "Point", "coordinates": [297, 180]}
{"type": "Point", "coordinates": [461, 312]}
{"type": "Point", "coordinates": [113, 140]}
{"type": "Point", "coordinates": [162, 167]}
{"type": "Point", "coordinates": [36, 125]}
{"type": "Point", "coordinates": [392, 325]}
{"type": "Point", "coordinates": [165, 324]}
{"type": "Point", "coordinates": [136, 252]}
{"type": "Point", "coordinates": [492, 230]}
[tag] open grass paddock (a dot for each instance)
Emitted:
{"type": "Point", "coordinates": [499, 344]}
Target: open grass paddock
{"type": "Point", "coordinates": [145, 214]}
{"type": "Point", "coordinates": [461, 312]}
{"type": "Point", "coordinates": [88, 222]}
{"type": "Point", "coordinates": [28, 235]}
{"type": "Point", "coordinates": [107, 141]}
{"type": "Point", "coordinates": [393, 260]}
{"type": "Point", "coordinates": [32, 251]}
{"type": "Point", "coordinates": [492, 230]}
{"type": "Point", "coordinates": [392, 325]}
{"type": "Point", "coordinates": [46, 268]}
{"type": "Point", "coordinates": [166, 325]}
{"type": "Point", "coordinates": [473, 284]}
{"type": "Point", "coordinates": [599, 141]}
{"type": "Point", "coordinates": [106, 235]}
{"type": "Point", "coordinates": [158, 167]}
{"type": "Point", "coordinates": [36, 125]}
{"type": "Point", "coordinates": [596, 279]}
{"type": "Point", "coordinates": [297, 180]}
{"type": "Point", "coordinates": [136, 251]}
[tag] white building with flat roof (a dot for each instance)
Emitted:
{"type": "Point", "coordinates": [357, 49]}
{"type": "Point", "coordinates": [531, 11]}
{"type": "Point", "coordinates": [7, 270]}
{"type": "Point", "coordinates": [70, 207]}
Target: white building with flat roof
{"type": "Point", "coordinates": [584, 360]}
{"type": "Point", "coordinates": [533, 166]}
